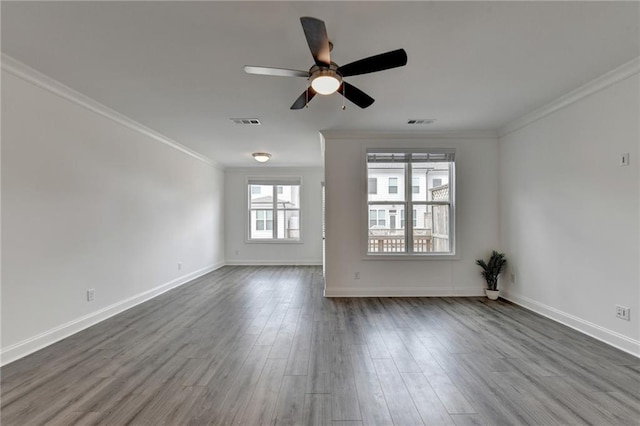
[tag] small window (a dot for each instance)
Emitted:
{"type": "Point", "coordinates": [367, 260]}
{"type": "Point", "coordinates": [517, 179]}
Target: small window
{"type": "Point", "coordinates": [437, 183]}
{"type": "Point", "coordinates": [415, 185]}
{"type": "Point", "coordinates": [393, 185]}
{"type": "Point", "coordinates": [274, 209]}
{"type": "Point", "coordinates": [372, 185]}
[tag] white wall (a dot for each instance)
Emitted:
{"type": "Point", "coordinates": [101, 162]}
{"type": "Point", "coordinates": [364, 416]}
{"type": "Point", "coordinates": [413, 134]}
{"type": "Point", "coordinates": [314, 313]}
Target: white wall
{"type": "Point", "coordinates": [88, 202]}
{"type": "Point", "coordinates": [346, 219]}
{"type": "Point", "coordinates": [569, 213]}
{"type": "Point", "coordinates": [241, 252]}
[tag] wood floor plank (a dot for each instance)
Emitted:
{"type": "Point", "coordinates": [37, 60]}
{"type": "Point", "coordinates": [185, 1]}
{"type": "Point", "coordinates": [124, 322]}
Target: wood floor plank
{"type": "Point", "coordinates": [425, 399]}
{"type": "Point", "coordinates": [260, 345]}
{"type": "Point", "coordinates": [260, 408]}
{"type": "Point", "coordinates": [290, 405]}
{"type": "Point", "coordinates": [401, 407]}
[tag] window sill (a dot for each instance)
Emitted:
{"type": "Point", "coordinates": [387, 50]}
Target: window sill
{"type": "Point", "coordinates": [400, 257]}
{"type": "Point", "coordinates": [265, 241]}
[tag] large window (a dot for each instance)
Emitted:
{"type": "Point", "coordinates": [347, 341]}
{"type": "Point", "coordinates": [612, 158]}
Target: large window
{"type": "Point", "coordinates": [421, 190]}
{"type": "Point", "coordinates": [274, 209]}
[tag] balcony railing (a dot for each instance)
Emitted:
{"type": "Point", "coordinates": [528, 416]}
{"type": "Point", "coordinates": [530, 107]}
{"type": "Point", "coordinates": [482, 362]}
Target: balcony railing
{"type": "Point", "coordinates": [393, 241]}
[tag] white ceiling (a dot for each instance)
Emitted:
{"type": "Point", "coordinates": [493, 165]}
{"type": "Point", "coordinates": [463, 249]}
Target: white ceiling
{"type": "Point", "coordinates": [176, 67]}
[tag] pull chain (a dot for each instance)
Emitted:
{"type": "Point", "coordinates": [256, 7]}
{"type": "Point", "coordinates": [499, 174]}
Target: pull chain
{"type": "Point", "coordinates": [343, 90]}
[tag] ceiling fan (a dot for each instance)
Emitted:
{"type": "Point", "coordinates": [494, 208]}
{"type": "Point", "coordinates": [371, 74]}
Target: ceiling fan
{"type": "Point", "coordinates": [326, 77]}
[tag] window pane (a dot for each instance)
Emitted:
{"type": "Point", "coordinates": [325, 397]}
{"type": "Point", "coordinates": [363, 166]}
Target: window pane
{"type": "Point", "coordinates": [383, 238]}
{"type": "Point", "coordinates": [289, 224]}
{"type": "Point", "coordinates": [261, 197]}
{"type": "Point", "coordinates": [436, 176]}
{"type": "Point", "coordinates": [387, 173]}
{"type": "Point", "coordinates": [431, 230]}
{"type": "Point", "coordinates": [289, 198]}
{"type": "Point", "coordinates": [258, 226]}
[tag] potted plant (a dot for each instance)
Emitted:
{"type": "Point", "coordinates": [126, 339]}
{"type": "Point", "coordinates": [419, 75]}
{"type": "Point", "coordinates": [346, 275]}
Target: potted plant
{"type": "Point", "coordinates": [490, 271]}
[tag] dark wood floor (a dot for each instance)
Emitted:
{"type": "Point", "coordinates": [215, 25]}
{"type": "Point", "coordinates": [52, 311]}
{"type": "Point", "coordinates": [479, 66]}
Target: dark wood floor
{"type": "Point", "coordinates": [260, 345]}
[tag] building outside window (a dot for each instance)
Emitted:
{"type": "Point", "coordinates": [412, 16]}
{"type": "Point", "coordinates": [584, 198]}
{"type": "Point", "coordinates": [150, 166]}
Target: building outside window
{"type": "Point", "coordinates": [429, 210]}
{"type": "Point", "coordinates": [274, 209]}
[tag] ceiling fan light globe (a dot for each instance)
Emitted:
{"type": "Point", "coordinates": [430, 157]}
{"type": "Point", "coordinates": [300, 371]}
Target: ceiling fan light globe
{"type": "Point", "coordinates": [325, 84]}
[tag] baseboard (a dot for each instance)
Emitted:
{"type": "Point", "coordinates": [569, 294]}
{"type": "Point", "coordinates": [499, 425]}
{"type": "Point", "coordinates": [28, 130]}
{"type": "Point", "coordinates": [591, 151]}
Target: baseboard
{"type": "Point", "coordinates": [403, 292]}
{"type": "Point", "coordinates": [603, 334]}
{"type": "Point", "coordinates": [284, 262]}
{"type": "Point", "coordinates": [40, 341]}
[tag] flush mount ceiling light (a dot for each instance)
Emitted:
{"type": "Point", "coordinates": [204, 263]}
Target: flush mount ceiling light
{"type": "Point", "coordinates": [261, 157]}
{"type": "Point", "coordinates": [325, 81]}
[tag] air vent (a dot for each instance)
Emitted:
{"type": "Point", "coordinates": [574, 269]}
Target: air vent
{"type": "Point", "coordinates": [421, 121]}
{"type": "Point", "coordinates": [246, 121]}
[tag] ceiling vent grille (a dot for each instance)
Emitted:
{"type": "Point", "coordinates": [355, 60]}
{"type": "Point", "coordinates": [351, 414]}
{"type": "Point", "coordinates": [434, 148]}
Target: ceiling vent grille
{"type": "Point", "coordinates": [421, 121]}
{"type": "Point", "coordinates": [246, 121]}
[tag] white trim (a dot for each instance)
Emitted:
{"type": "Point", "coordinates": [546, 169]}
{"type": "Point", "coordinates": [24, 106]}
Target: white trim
{"type": "Point", "coordinates": [424, 135]}
{"type": "Point", "coordinates": [603, 334]}
{"type": "Point", "coordinates": [284, 262]}
{"type": "Point", "coordinates": [42, 340]}
{"type": "Point", "coordinates": [43, 81]}
{"type": "Point", "coordinates": [404, 292]}
{"type": "Point", "coordinates": [600, 83]}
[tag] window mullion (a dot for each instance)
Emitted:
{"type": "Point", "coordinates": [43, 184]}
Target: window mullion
{"type": "Point", "coordinates": [408, 229]}
{"type": "Point", "coordinates": [274, 209]}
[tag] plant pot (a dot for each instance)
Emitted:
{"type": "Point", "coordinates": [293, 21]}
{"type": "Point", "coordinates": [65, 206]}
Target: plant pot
{"type": "Point", "coordinates": [492, 294]}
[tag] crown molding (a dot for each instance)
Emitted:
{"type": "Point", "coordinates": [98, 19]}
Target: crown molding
{"type": "Point", "coordinates": [431, 135]}
{"type": "Point", "coordinates": [30, 75]}
{"type": "Point", "coordinates": [614, 76]}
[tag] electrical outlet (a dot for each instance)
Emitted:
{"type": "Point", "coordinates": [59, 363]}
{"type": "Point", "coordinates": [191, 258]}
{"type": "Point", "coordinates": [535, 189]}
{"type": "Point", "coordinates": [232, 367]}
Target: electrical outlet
{"type": "Point", "coordinates": [624, 159]}
{"type": "Point", "coordinates": [179, 266]}
{"type": "Point", "coordinates": [91, 294]}
{"type": "Point", "coordinates": [623, 312]}
{"type": "Point", "coordinates": [356, 275]}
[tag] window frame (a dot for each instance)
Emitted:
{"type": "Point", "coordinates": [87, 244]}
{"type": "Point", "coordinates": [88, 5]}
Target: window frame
{"type": "Point", "coordinates": [409, 215]}
{"type": "Point", "coordinates": [274, 182]}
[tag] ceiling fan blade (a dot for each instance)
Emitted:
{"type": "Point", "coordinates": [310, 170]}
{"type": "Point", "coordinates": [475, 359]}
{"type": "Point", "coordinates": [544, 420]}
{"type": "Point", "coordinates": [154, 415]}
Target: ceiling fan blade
{"type": "Point", "coordinates": [304, 99]}
{"type": "Point", "coordinates": [278, 72]}
{"type": "Point", "coordinates": [355, 95]}
{"type": "Point", "coordinates": [383, 61]}
{"type": "Point", "coordinates": [316, 34]}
